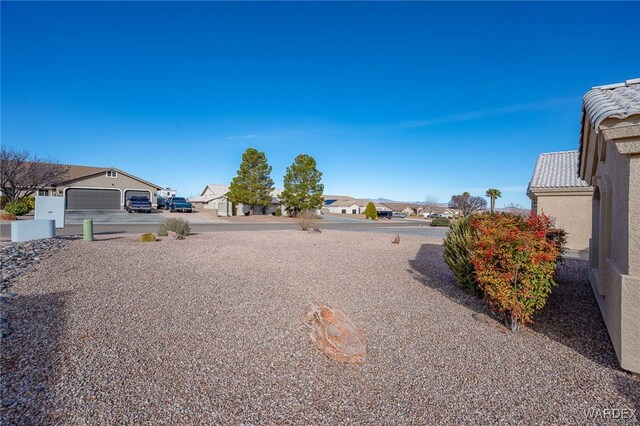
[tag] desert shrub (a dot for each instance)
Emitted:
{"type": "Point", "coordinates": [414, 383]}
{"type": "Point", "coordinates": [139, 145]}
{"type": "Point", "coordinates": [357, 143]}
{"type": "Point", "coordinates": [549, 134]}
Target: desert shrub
{"type": "Point", "coordinates": [147, 238]}
{"type": "Point", "coordinates": [30, 201]}
{"type": "Point", "coordinates": [370, 211]}
{"type": "Point", "coordinates": [8, 216]}
{"type": "Point", "coordinates": [514, 263]}
{"type": "Point", "coordinates": [17, 208]}
{"type": "Point", "coordinates": [457, 255]}
{"type": "Point", "coordinates": [177, 225]}
{"type": "Point", "coordinates": [441, 221]}
{"type": "Point", "coordinates": [277, 212]}
{"type": "Point", "coordinates": [307, 220]}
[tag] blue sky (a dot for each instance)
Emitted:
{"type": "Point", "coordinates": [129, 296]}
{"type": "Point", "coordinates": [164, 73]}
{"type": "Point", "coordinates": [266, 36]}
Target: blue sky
{"type": "Point", "coordinates": [394, 100]}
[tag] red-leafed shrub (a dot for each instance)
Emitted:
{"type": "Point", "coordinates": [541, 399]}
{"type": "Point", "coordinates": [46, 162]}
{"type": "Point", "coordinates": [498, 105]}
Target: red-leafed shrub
{"type": "Point", "coordinates": [514, 260]}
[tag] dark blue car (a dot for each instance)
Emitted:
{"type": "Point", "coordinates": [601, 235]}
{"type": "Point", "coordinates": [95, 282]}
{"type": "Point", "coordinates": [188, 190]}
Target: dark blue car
{"type": "Point", "coordinates": [179, 204]}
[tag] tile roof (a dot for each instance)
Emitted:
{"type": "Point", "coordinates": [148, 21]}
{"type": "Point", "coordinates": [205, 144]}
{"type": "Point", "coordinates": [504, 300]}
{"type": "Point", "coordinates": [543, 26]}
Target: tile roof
{"type": "Point", "coordinates": [612, 101]}
{"type": "Point", "coordinates": [557, 170]}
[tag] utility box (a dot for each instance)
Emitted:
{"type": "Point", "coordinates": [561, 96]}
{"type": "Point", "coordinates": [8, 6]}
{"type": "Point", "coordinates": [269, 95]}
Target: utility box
{"type": "Point", "coordinates": [51, 208]}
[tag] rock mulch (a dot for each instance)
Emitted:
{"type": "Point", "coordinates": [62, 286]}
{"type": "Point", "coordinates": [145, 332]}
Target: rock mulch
{"type": "Point", "coordinates": [209, 330]}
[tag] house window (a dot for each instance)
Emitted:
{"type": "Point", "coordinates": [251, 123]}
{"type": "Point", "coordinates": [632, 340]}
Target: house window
{"type": "Point", "coordinates": [354, 211]}
{"type": "Point", "coordinates": [344, 211]}
{"type": "Point", "coordinates": [112, 174]}
{"type": "Point", "coordinates": [43, 192]}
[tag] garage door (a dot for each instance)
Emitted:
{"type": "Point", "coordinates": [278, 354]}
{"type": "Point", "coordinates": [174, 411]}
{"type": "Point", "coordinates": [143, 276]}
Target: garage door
{"type": "Point", "coordinates": [93, 199]}
{"type": "Point", "coordinates": [133, 192]}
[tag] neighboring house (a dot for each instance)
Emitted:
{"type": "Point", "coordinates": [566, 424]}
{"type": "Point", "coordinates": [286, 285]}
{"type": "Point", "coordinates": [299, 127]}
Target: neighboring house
{"type": "Point", "coordinates": [610, 162]}
{"type": "Point", "coordinates": [557, 191]}
{"type": "Point", "coordinates": [214, 197]}
{"type": "Point", "coordinates": [342, 204]}
{"type": "Point", "coordinates": [408, 208]}
{"type": "Point", "coordinates": [99, 188]}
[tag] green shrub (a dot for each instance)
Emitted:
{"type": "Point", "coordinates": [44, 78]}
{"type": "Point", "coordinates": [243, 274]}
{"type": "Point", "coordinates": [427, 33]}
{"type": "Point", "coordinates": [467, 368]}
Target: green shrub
{"type": "Point", "coordinates": [17, 208]}
{"type": "Point", "coordinates": [370, 211]}
{"type": "Point", "coordinates": [457, 246]}
{"type": "Point", "coordinates": [277, 212]}
{"type": "Point", "coordinates": [4, 200]}
{"type": "Point", "coordinates": [177, 225]}
{"type": "Point", "coordinates": [30, 201]}
{"type": "Point", "coordinates": [514, 262]}
{"type": "Point", "coordinates": [147, 238]}
{"type": "Point", "coordinates": [441, 221]}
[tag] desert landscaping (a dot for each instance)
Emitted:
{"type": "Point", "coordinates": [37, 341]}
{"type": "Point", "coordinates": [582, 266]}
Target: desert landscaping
{"type": "Point", "coordinates": [210, 329]}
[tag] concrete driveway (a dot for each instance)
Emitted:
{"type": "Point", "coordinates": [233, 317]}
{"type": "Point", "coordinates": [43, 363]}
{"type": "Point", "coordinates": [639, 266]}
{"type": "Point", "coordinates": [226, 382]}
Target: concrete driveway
{"type": "Point", "coordinates": [121, 217]}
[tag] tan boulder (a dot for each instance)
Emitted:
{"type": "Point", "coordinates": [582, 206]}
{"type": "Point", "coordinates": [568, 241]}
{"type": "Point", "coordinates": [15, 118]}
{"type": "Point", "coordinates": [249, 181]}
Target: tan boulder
{"type": "Point", "coordinates": [335, 334]}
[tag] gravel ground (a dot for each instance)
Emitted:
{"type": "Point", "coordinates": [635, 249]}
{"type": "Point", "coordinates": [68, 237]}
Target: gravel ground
{"type": "Point", "coordinates": [209, 330]}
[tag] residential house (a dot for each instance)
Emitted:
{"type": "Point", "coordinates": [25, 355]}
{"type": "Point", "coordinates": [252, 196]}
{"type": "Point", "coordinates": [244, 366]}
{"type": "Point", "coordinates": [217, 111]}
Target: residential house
{"type": "Point", "coordinates": [610, 162]}
{"type": "Point", "coordinates": [411, 209]}
{"type": "Point", "coordinates": [557, 191]}
{"type": "Point", "coordinates": [99, 188]}
{"type": "Point", "coordinates": [214, 198]}
{"type": "Point", "coordinates": [342, 204]}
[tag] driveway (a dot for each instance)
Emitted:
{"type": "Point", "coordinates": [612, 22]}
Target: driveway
{"type": "Point", "coordinates": [121, 217]}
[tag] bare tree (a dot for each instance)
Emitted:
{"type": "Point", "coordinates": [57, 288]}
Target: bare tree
{"type": "Point", "coordinates": [467, 203]}
{"type": "Point", "coordinates": [22, 173]}
{"type": "Point", "coordinates": [430, 203]}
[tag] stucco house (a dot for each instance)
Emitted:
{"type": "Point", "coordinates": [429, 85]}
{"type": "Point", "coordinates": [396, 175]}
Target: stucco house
{"type": "Point", "coordinates": [557, 191]}
{"type": "Point", "coordinates": [99, 188]}
{"type": "Point", "coordinates": [408, 208]}
{"type": "Point", "coordinates": [610, 162]}
{"type": "Point", "coordinates": [343, 204]}
{"type": "Point", "coordinates": [214, 198]}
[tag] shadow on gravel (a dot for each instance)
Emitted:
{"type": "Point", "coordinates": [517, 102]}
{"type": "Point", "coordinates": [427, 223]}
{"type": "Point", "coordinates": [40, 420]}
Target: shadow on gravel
{"type": "Point", "coordinates": [28, 358]}
{"type": "Point", "coordinates": [429, 268]}
{"type": "Point", "coordinates": [571, 316]}
{"type": "Point", "coordinates": [628, 387]}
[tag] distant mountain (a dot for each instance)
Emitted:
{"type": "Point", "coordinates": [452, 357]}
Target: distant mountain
{"type": "Point", "coordinates": [385, 200]}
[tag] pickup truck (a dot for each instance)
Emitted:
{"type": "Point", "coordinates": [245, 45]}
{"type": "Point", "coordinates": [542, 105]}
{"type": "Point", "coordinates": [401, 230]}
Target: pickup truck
{"type": "Point", "coordinates": [138, 203]}
{"type": "Point", "coordinates": [179, 204]}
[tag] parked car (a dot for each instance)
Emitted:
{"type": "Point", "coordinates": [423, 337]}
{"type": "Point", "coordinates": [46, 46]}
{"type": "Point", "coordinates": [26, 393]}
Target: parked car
{"type": "Point", "coordinates": [179, 204]}
{"type": "Point", "coordinates": [435, 215]}
{"type": "Point", "coordinates": [138, 203]}
{"type": "Point", "coordinates": [162, 203]}
{"type": "Point", "coordinates": [385, 214]}
{"type": "Point", "coordinates": [401, 215]}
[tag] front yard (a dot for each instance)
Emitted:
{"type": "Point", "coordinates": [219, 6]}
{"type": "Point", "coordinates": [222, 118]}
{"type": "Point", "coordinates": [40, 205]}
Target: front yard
{"type": "Point", "coordinates": [209, 330]}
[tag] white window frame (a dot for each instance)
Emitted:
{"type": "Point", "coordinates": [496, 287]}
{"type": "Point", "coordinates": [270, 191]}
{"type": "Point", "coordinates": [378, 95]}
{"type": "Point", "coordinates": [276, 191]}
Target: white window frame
{"type": "Point", "coordinates": [112, 174]}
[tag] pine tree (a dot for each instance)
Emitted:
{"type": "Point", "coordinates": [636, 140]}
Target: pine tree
{"type": "Point", "coordinates": [253, 184]}
{"type": "Point", "coordinates": [302, 187]}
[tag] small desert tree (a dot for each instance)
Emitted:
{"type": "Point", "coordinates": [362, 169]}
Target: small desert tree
{"type": "Point", "coordinates": [23, 173]}
{"type": "Point", "coordinates": [370, 211]}
{"type": "Point", "coordinates": [302, 187]}
{"type": "Point", "coordinates": [467, 203]}
{"type": "Point", "coordinates": [253, 184]}
{"type": "Point", "coordinates": [430, 203]}
{"type": "Point", "coordinates": [493, 193]}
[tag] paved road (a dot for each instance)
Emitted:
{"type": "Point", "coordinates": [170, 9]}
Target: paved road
{"type": "Point", "coordinates": [391, 227]}
{"type": "Point", "coordinates": [120, 217]}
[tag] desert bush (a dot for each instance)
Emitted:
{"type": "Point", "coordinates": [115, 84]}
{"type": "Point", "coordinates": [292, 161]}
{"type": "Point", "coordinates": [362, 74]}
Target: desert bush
{"type": "Point", "coordinates": [370, 211]}
{"type": "Point", "coordinates": [177, 225]}
{"type": "Point", "coordinates": [17, 208]}
{"type": "Point", "coordinates": [457, 255]}
{"type": "Point", "coordinates": [4, 200]}
{"type": "Point", "coordinates": [277, 212]}
{"type": "Point", "coordinates": [514, 263]}
{"type": "Point", "coordinates": [8, 216]}
{"type": "Point", "coordinates": [307, 220]}
{"type": "Point", "coordinates": [30, 201]}
{"type": "Point", "coordinates": [147, 238]}
{"type": "Point", "coordinates": [441, 221]}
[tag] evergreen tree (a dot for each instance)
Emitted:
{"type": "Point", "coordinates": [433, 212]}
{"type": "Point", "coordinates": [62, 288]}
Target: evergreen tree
{"type": "Point", "coordinates": [302, 187]}
{"type": "Point", "coordinates": [253, 184]}
{"type": "Point", "coordinates": [370, 211]}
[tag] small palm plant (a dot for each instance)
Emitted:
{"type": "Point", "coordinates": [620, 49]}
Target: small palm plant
{"type": "Point", "coordinates": [493, 193]}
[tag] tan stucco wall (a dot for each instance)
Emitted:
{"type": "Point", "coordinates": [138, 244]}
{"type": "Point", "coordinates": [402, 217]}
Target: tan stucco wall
{"type": "Point", "coordinates": [615, 248]}
{"type": "Point", "coordinates": [121, 182]}
{"type": "Point", "coordinates": [572, 212]}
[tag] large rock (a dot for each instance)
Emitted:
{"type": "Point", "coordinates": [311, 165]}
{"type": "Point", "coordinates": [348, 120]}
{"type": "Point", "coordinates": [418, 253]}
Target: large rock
{"type": "Point", "coordinates": [334, 334]}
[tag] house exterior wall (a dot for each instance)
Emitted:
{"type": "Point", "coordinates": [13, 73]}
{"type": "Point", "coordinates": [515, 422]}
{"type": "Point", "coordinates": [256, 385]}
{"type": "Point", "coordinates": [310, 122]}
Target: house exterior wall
{"type": "Point", "coordinates": [572, 212]}
{"type": "Point", "coordinates": [349, 209]}
{"type": "Point", "coordinates": [121, 182]}
{"type": "Point", "coordinates": [612, 163]}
